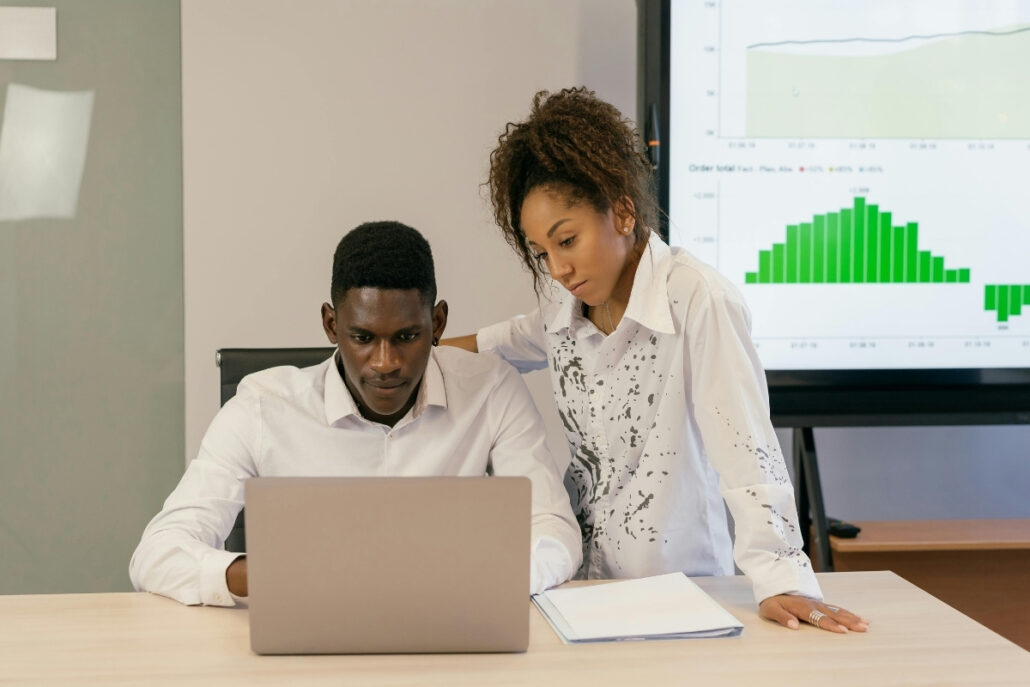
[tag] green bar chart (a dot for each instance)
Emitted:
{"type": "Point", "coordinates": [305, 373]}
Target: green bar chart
{"type": "Point", "coordinates": [1006, 299]}
{"type": "Point", "coordinates": [856, 245]}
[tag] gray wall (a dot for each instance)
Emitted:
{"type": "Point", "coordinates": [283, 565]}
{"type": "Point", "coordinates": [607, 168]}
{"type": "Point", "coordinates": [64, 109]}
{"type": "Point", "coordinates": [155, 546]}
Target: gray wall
{"type": "Point", "coordinates": [91, 323]}
{"type": "Point", "coordinates": [923, 473]}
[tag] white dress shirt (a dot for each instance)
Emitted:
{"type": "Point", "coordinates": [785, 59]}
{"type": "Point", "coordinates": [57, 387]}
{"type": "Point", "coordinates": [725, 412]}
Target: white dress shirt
{"type": "Point", "coordinates": [473, 414]}
{"type": "Point", "coordinates": [662, 416]}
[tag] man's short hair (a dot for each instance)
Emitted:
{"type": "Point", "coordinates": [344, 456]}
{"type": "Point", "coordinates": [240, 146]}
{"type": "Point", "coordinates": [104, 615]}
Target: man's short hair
{"type": "Point", "coordinates": [383, 255]}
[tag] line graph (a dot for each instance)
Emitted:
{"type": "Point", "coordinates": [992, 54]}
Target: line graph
{"type": "Point", "coordinates": [899, 94]}
{"type": "Point", "coordinates": [902, 39]}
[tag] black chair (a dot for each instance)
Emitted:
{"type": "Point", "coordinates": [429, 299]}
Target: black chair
{"type": "Point", "coordinates": [236, 363]}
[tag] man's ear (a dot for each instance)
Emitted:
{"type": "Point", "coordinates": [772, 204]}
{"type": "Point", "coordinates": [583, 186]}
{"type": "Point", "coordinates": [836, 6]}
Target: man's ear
{"type": "Point", "coordinates": [439, 321]}
{"type": "Point", "coordinates": [329, 322]}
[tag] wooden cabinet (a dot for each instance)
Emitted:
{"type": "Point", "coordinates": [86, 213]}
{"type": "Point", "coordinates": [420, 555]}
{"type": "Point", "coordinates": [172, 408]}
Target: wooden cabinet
{"type": "Point", "coordinates": [980, 567]}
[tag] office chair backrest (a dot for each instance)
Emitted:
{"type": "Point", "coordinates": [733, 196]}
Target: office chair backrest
{"type": "Point", "coordinates": [236, 363]}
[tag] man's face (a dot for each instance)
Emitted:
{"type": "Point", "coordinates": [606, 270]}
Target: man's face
{"type": "Point", "coordinates": [384, 337]}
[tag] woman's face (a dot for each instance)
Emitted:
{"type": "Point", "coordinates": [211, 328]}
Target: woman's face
{"type": "Point", "coordinates": [584, 250]}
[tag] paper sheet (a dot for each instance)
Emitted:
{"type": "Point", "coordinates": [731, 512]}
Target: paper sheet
{"type": "Point", "coordinates": [652, 607]}
{"type": "Point", "coordinates": [42, 151]}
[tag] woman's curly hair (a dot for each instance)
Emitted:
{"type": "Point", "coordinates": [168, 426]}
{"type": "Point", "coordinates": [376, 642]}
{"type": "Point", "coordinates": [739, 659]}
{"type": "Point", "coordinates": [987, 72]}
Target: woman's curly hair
{"type": "Point", "coordinates": [582, 147]}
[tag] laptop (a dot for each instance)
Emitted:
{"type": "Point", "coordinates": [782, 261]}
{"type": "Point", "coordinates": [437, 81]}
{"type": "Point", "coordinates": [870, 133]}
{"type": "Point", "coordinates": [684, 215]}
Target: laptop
{"type": "Point", "coordinates": [355, 565]}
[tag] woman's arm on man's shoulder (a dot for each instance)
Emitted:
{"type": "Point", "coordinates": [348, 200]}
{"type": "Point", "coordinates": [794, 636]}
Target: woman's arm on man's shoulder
{"type": "Point", "coordinates": [468, 342]}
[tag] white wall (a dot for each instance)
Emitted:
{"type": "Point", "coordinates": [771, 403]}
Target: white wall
{"type": "Point", "coordinates": [303, 119]}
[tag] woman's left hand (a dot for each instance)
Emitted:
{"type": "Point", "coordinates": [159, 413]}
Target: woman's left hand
{"type": "Point", "coordinates": [787, 609]}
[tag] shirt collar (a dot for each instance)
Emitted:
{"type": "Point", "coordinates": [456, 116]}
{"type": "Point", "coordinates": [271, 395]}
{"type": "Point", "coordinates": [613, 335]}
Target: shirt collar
{"type": "Point", "coordinates": [649, 299]}
{"type": "Point", "coordinates": [432, 392]}
{"type": "Point", "coordinates": [568, 305]}
{"type": "Point", "coordinates": [340, 404]}
{"type": "Point", "coordinates": [649, 296]}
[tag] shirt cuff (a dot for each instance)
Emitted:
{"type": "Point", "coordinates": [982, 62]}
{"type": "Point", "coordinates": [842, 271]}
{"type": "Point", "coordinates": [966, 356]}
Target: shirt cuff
{"type": "Point", "coordinates": [490, 338]}
{"type": "Point", "coordinates": [799, 582]}
{"type": "Point", "coordinates": [550, 564]}
{"type": "Point", "coordinates": [214, 590]}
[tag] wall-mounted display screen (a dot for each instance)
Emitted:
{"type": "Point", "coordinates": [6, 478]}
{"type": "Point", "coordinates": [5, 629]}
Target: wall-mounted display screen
{"type": "Point", "coordinates": [860, 169]}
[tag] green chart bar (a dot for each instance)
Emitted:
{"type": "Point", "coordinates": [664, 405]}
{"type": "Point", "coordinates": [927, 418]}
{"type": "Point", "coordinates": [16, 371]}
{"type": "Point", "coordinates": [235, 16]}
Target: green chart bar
{"type": "Point", "coordinates": [1003, 303]}
{"type": "Point", "coordinates": [898, 255]}
{"type": "Point", "coordinates": [764, 267]}
{"type": "Point", "coordinates": [832, 247]}
{"type": "Point", "coordinates": [819, 250]}
{"type": "Point", "coordinates": [1006, 299]}
{"type": "Point", "coordinates": [886, 247]}
{"type": "Point", "coordinates": [872, 252]}
{"type": "Point", "coordinates": [806, 254]}
{"type": "Point", "coordinates": [779, 263]}
{"type": "Point", "coordinates": [793, 248]}
{"type": "Point", "coordinates": [846, 258]}
{"type": "Point", "coordinates": [925, 271]}
{"type": "Point", "coordinates": [859, 244]}
{"type": "Point", "coordinates": [855, 245]}
{"type": "Point", "coordinates": [912, 253]}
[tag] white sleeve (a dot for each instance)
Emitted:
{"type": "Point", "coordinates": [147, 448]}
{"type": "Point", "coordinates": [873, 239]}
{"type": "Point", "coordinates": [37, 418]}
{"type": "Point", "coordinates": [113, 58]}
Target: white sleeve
{"type": "Point", "coordinates": [731, 404]}
{"type": "Point", "coordinates": [520, 448]}
{"type": "Point", "coordinates": [181, 553]}
{"type": "Point", "coordinates": [520, 341]}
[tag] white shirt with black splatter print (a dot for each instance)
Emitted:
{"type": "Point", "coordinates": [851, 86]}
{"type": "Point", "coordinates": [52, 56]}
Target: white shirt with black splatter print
{"type": "Point", "coordinates": [666, 418]}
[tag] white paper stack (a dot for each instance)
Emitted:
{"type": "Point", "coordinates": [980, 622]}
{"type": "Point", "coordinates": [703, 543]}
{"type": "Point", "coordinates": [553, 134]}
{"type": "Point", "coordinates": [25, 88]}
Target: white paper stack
{"type": "Point", "coordinates": [662, 607]}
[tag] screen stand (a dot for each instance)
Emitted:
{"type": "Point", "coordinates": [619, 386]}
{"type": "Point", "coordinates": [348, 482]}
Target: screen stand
{"type": "Point", "coordinates": [808, 494]}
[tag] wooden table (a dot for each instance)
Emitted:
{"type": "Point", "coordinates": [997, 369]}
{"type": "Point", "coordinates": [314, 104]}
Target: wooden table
{"type": "Point", "coordinates": [143, 639]}
{"type": "Point", "coordinates": [978, 567]}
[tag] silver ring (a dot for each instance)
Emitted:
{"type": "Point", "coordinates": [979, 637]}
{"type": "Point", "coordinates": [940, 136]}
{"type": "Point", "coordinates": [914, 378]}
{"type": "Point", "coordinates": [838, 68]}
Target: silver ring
{"type": "Point", "coordinates": [815, 616]}
{"type": "Point", "coordinates": [833, 608]}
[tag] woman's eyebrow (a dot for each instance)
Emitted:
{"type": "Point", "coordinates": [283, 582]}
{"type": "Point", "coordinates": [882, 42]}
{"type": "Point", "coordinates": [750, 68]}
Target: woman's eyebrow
{"type": "Point", "coordinates": [554, 227]}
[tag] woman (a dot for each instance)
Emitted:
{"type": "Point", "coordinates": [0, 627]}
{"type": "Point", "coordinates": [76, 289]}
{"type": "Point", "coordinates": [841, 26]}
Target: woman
{"type": "Point", "coordinates": [657, 383]}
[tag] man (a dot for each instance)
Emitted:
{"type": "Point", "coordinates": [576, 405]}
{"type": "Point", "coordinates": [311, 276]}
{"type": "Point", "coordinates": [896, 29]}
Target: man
{"type": "Point", "coordinates": [386, 403]}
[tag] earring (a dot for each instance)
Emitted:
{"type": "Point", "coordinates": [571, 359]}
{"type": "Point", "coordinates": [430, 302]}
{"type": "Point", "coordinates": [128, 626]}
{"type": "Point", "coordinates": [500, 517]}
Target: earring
{"type": "Point", "coordinates": [625, 229]}
{"type": "Point", "coordinates": [436, 341]}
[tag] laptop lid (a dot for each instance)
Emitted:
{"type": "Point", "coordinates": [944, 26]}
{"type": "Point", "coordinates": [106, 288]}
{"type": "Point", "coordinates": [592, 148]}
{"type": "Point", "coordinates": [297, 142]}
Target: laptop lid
{"type": "Point", "coordinates": [388, 564]}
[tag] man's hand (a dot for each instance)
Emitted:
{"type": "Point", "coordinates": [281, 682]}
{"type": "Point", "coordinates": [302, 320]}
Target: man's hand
{"type": "Point", "coordinates": [236, 576]}
{"type": "Point", "coordinates": [787, 609]}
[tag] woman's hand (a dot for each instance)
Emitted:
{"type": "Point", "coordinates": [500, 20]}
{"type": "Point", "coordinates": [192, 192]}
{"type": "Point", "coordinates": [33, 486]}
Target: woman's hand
{"type": "Point", "coordinates": [787, 609]}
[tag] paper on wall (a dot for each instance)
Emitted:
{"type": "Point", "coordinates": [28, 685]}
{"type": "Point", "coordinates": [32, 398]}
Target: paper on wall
{"type": "Point", "coordinates": [43, 151]}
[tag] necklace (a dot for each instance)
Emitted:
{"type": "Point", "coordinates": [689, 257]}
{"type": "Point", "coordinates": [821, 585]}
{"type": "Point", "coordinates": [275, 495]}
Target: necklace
{"type": "Point", "coordinates": [608, 315]}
